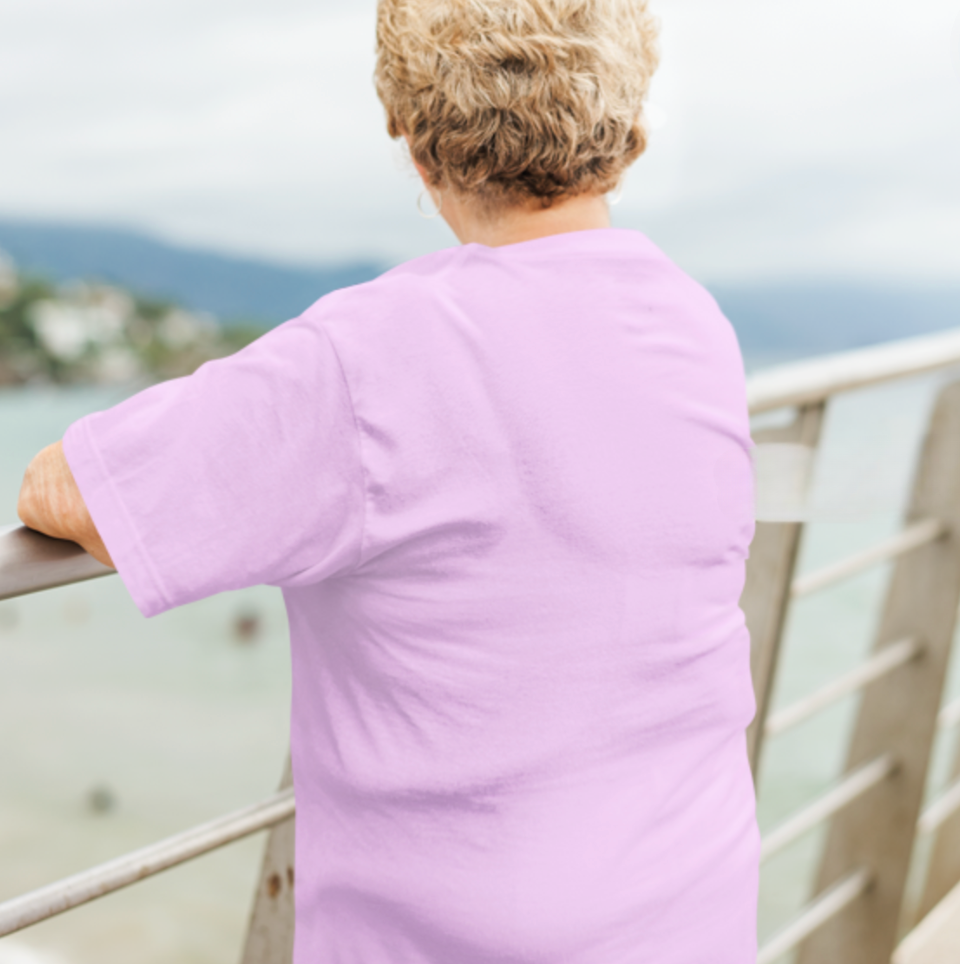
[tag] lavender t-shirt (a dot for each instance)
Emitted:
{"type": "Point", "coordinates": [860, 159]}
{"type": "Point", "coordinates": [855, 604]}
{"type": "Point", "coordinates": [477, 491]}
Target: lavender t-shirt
{"type": "Point", "coordinates": [507, 493]}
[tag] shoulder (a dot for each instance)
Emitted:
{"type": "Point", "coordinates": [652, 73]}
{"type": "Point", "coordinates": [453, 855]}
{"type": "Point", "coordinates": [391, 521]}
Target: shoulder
{"type": "Point", "coordinates": [398, 295]}
{"type": "Point", "coordinates": [691, 323]}
{"type": "Point", "coordinates": [660, 285]}
{"type": "Point", "coordinates": [670, 281]}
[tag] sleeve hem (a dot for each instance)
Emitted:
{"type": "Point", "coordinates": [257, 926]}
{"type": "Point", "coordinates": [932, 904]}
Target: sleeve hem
{"type": "Point", "coordinates": [113, 522]}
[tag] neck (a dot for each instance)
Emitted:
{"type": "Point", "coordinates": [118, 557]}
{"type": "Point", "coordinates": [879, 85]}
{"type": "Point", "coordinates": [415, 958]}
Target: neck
{"type": "Point", "coordinates": [474, 225]}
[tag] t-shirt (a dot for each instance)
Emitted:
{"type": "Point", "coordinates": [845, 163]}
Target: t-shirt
{"type": "Point", "coordinates": [507, 493]}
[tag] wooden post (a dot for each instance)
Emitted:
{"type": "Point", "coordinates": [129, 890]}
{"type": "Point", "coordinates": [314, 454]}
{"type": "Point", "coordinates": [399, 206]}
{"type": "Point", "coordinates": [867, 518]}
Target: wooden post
{"type": "Point", "coordinates": [898, 715]}
{"type": "Point", "coordinates": [770, 568]}
{"type": "Point", "coordinates": [270, 932]}
{"type": "Point", "coordinates": [943, 872]}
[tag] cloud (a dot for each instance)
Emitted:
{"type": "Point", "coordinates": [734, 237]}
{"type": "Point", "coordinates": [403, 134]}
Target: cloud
{"type": "Point", "coordinates": [799, 139]}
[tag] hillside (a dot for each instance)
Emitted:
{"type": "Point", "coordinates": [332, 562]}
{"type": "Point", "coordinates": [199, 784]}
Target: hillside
{"type": "Point", "coordinates": [80, 332]}
{"type": "Point", "coordinates": [230, 287]}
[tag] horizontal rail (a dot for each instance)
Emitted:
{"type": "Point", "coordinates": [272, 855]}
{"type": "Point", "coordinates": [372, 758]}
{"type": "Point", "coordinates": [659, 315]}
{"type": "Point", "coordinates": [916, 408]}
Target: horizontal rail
{"type": "Point", "coordinates": [852, 787]}
{"type": "Point", "coordinates": [812, 381]}
{"type": "Point", "coordinates": [941, 810]}
{"type": "Point", "coordinates": [99, 881]}
{"type": "Point", "coordinates": [886, 661]}
{"type": "Point", "coordinates": [830, 903]}
{"type": "Point", "coordinates": [949, 716]}
{"type": "Point", "coordinates": [907, 540]}
{"type": "Point", "coordinates": [30, 562]}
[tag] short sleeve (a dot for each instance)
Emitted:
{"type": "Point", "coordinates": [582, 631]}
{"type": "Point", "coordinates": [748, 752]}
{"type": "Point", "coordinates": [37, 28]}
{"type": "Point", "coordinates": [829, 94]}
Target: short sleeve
{"type": "Point", "coordinates": [246, 472]}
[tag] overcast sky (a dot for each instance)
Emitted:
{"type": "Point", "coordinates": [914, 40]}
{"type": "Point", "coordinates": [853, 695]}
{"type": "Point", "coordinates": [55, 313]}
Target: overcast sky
{"type": "Point", "coordinates": [799, 139]}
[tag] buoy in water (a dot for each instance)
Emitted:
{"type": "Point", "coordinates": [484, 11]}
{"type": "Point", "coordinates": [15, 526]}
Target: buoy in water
{"type": "Point", "coordinates": [101, 799]}
{"type": "Point", "coordinates": [247, 626]}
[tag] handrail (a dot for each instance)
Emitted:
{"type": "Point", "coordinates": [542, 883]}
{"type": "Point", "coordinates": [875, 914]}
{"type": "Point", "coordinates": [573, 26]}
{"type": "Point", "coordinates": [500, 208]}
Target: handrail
{"type": "Point", "coordinates": [906, 540]}
{"type": "Point", "coordinates": [96, 882]}
{"type": "Point", "coordinates": [808, 382]}
{"type": "Point", "coordinates": [851, 788]}
{"type": "Point", "coordinates": [30, 562]}
{"type": "Point", "coordinates": [823, 909]}
{"type": "Point", "coordinates": [879, 665]}
{"type": "Point", "coordinates": [941, 810]}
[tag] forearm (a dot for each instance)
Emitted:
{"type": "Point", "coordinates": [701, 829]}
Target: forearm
{"type": "Point", "coordinates": [51, 503]}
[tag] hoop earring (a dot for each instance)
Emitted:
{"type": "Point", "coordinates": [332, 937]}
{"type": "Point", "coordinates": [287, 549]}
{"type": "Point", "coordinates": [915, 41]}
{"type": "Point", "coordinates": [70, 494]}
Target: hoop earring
{"type": "Point", "coordinates": [423, 214]}
{"type": "Point", "coordinates": [616, 195]}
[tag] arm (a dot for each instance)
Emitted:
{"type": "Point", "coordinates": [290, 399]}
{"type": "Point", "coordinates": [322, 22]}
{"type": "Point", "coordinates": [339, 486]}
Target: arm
{"type": "Point", "coordinates": [51, 503]}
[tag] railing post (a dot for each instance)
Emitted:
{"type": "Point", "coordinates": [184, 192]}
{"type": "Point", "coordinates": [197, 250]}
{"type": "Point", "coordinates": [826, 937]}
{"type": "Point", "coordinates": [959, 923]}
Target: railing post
{"type": "Point", "coordinates": [770, 568]}
{"type": "Point", "coordinates": [270, 932]}
{"type": "Point", "coordinates": [943, 871]}
{"type": "Point", "coordinates": [898, 715]}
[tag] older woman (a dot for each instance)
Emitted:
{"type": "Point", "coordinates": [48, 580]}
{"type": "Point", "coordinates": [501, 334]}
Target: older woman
{"type": "Point", "coordinates": [506, 491]}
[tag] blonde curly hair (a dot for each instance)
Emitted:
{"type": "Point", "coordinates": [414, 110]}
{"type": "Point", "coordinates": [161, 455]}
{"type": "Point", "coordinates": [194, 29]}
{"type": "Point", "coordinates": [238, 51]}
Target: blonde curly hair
{"type": "Point", "coordinates": [517, 100]}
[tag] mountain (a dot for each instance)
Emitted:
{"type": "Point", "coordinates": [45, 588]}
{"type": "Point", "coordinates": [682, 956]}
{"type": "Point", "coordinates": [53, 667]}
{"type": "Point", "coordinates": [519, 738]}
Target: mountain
{"type": "Point", "coordinates": [773, 321]}
{"type": "Point", "coordinates": [234, 288]}
{"type": "Point", "coordinates": [790, 320]}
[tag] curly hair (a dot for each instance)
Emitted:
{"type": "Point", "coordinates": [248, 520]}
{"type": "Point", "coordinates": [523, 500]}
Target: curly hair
{"type": "Point", "coordinates": [516, 100]}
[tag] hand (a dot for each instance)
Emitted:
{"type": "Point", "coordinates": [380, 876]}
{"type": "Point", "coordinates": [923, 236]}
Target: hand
{"type": "Point", "coordinates": [51, 503]}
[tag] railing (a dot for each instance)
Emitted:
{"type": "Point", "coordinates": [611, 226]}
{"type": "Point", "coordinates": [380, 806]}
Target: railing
{"type": "Point", "coordinates": [29, 563]}
{"type": "Point", "coordinates": [140, 864]}
{"type": "Point", "coordinates": [874, 811]}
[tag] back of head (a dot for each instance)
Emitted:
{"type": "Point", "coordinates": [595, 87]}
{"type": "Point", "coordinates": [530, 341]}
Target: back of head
{"type": "Point", "coordinates": [518, 101]}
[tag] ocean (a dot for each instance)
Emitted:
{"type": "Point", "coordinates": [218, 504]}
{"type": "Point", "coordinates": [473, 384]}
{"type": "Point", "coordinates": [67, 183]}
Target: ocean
{"type": "Point", "coordinates": [116, 731]}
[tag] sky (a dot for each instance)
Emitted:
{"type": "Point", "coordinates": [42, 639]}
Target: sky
{"type": "Point", "coordinates": [813, 140]}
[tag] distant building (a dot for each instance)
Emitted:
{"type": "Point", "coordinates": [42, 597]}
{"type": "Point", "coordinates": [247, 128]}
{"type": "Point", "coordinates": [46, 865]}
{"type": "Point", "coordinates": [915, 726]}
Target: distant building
{"type": "Point", "coordinates": [88, 322]}
{"type": "Point", "coordinates": [93, 332]}
{"type": "Point", "coordinates": [179, 329]}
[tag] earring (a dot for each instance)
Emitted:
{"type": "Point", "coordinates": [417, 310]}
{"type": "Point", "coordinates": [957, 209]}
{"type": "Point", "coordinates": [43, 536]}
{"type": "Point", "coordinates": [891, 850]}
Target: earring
{"type": "Point", "coordinates": [423, 214]}
{"type": "Point", "coordinates": [616, 195]}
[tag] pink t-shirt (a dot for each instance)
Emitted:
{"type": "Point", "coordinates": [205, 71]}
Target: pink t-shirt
{"type": "Point", "coordinates": [507, 493]}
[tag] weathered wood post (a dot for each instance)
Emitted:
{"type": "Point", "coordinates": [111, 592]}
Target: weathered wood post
{"type": "Point", "coordinates": [270, 932]}
{"type": "Point", "coordinates": [770, 568]}
{"type": "Point", "coordinates": [943, 871]}
{"type": "Point", "coordinates": [898, 715]}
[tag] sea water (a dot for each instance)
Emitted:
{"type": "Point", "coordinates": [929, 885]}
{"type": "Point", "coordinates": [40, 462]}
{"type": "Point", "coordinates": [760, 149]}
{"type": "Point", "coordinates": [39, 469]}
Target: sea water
{"type": "Point", "coordinates": [116, 731]}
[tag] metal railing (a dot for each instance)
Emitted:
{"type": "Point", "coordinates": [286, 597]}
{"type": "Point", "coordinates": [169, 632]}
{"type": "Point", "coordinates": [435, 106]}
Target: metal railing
{"type": "Point", "coordinates": [30, 563]}
{"type": "Point", "coordinates": [891, 782]}
{"type": "Point", "coordinates": [817, 913]}
{"type": "Point", "coordinates": [808, 382]}
{"type": "Point", "coordinates": [913, 537]}
{"type": "Point", "coordinates": [851, 788]}
{"type": "Point", "coordinates": [106, 878]}
{"type": "Point", "coordinates": [875, 668]}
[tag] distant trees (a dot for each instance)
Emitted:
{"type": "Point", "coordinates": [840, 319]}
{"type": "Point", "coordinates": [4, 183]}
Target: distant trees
{"type": "Point", "coordinates": [90, 332]}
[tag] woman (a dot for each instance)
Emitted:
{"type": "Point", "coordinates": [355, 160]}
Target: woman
{"type": "Point", "coordinates": [506, 490]}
